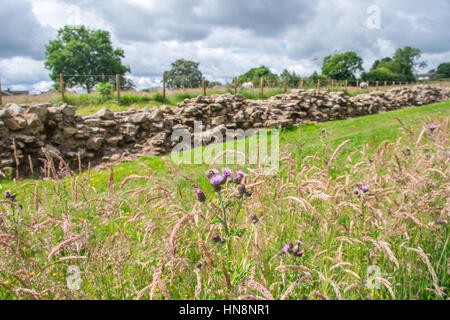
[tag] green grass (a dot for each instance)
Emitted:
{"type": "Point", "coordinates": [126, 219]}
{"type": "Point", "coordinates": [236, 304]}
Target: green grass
{"type": "Point", "coordinates": [127, 229]}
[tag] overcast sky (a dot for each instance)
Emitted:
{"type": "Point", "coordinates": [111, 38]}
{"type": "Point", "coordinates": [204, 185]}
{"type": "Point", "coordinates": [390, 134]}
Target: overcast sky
{"type": "Point", "coordinates": [227, 37]}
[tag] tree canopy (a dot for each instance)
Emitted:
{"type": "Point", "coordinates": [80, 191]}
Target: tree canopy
{"type": "Point", "coordinates": [342, 66]}
{"type": "Point", "coordinates": [443, 70]}
{"type": "Point", "coordinates": [184, 74]}
{"type": "Point", "coordinates": [82, 55]}
{"type": "Point", "coordinates": [255, 74]}
{"type": "Point", "coordinates": [293, 80]}
{"type": "Point", "coordinates": [409, 59]}
{"type": "Point", "coordinates": [400, 67]}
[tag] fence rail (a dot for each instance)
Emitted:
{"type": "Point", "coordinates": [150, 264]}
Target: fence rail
{"type": "Point", "coordinates": [284, 85]}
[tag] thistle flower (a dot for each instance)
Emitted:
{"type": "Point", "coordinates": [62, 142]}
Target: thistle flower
{"type": "Point", "coordinates": [365, 188]}
{"type": "Point", "coordinates": [356, 191]}
{"type": "Point", "coordinates": [249, 194]}
{"type": "Point", "coordinates": [298, 120]}
{"type": "Point", "coordinates": [239, 177]}
{"type": "Point", "coordinates": [227, 173]}
{"type": "Point", "coordinates": [432, 127]}
{"type": "Point", "coordinates": [360, 185]}
{"type": "Point", "coordinates": [10, 196]}
{"type": "Point", "coordinates": [199, 265]}
{"type": "Point", "coordinates": [407, 151]}
{"type": "Point", "coordinates": [242, 190]}
{"type": "Point", "coordinates": [323, 131]}
{"type": "Point", "coordinates": [295, 251]}
{"type": "Point", "coordinates": [211, 173]}
{"type": "Point", "coordinates": [216, 182]}
{"type": "Point", "coordinates": [254, 218]}
{"type": "Point", "coordinates": [201, 195]}
{"type": "Point", "coordinates": [216, 238]}
{"type": "Point", "coordinates": [285, 249]}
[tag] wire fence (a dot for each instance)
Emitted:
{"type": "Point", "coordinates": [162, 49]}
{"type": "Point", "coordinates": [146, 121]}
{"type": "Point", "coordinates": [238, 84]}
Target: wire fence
{"type": "Point", "coordinates": [114, 86]}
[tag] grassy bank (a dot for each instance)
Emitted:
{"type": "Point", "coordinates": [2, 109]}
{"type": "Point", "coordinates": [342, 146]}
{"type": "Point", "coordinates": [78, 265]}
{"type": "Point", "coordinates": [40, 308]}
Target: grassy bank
{"type": "Point", "coordinates": [141, 232]}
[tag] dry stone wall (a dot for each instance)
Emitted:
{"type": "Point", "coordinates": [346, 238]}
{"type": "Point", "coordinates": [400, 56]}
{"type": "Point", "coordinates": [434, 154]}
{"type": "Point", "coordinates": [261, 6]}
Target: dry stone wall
{"type": "Point", "coordinates": [30, 133]}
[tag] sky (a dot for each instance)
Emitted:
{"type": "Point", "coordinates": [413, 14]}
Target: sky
{"type": "Point", "coordinates": [227, 37]}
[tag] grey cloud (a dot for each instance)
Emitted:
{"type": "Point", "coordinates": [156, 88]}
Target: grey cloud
{"type": "Point", "coordinates": [21, 34]}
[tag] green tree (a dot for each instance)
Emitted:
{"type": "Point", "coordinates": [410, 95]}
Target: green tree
{"type": "Point", "coordinates": [409, 59]}
{"type": "Point", "coordinates": [255, 74]}
{"type": "Point", "coordinates": [342, 66]}
{"type": "Point", "coordinates": [184, 74]}
{"type": "Point", "coordinates": [443, 70]}
{"type": "Point", "coordinates": [382, 74]}
{"type": "Point", "coordinates": [292, 79]}
{"type": "Point", "coordinates": [81, 55]}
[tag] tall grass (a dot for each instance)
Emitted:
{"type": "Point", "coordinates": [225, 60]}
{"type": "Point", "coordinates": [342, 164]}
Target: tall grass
{"type": "Point", "coordinates": [144, 234]}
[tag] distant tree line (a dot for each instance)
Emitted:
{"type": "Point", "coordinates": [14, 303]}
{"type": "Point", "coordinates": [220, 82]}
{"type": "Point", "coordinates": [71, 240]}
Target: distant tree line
{"type": "Point", "coordinates": [82, 54]}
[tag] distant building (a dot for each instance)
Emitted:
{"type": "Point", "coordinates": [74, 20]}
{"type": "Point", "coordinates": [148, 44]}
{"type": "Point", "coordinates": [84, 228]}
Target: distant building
{"type": "Point", "coordinates": [427, 76]}
{"type": "Point", "coordinates": [15, 93]}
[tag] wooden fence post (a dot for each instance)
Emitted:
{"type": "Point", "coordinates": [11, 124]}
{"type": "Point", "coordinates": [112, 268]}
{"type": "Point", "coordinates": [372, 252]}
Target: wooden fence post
{"type": "Point", "coordinates": [318, 86]}
{"type": "Point", "coordinates": [118, 87]}
{"type": "Point", "coordinates": [378, 85]}
{"type": "Point", "coordinates": [332, 85]}
{"type": "Point", "coordinates": [346, 84]}
{"type": "Point", "coordinates": [385, 85]}
{"type": "Point", "coordinates": [204, 86]}
{"type": "Point", "coordinates": [368, 84]}
{"type": "Point", "coordinates": [61, 86]}
{"type": "Point", "coordinates": [301, 84]}
{"type": "Point", "coordinates": [1, 90]}
{"type": "Point", "coordinates": [285, 85]}
{"type": "Point", "coordinates": [262, 88]}
{"type": "Point", "coordinates": [357, 84]}
{"type": "Point", "coordinates": [235, 85]}
{"type": "Point", "coordinates": [164, 87]}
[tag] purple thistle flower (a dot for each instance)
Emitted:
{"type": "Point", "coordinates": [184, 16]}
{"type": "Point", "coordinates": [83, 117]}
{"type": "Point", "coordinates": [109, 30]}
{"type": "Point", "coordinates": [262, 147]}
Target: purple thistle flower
{"type": "Point", "coordinates": [360, 185]}
{"type": "Point", "coordinates": [211, 173]}
{"type": "Point", "coordinates": [356, 191]}
{"type": "Point", "coordinates": [432, 127]}
{"type": "Point", "coordinates": [7, 194]}
{"type": "Point", "coordinates": [199, 265]}
{"type": "Point", "coordinates": [216, 182]}
{"type": "Point", "coordinates": [297, 252]}
{"type": "Point", "coordinates": [227, 173]}
{"type": "Point", "coordinates": [216, 238]}
{"type": "Point", "coordinates": [239, 177]}
{"type": "Point", "coordinates": [254, 218]}
{"type": "Point", "coordinates": [298, 120]}
{"type": "Point", "coordinates": [285, 249]}
{"type": "Point", "coordinates": [201, 195]}
{"type": "Point", "coordinates": [323, 131]}
{"type": "Point", "coordinates": [365, 188]}
{"type": "Point", "coordinates": [242, 190]}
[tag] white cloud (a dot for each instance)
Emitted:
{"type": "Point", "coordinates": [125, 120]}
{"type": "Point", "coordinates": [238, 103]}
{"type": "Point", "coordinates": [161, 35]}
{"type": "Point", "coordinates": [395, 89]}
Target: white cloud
{"type": "Point", "coordinates": [226, 37]}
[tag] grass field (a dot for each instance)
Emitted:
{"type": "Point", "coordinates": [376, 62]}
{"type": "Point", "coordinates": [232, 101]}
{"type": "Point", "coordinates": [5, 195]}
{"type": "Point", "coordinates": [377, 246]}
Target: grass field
{"type": "Point", "coordinates": [140, 231]}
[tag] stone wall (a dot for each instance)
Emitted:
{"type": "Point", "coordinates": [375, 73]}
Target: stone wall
{"type": "Point", "coordinates": [125, 136]}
